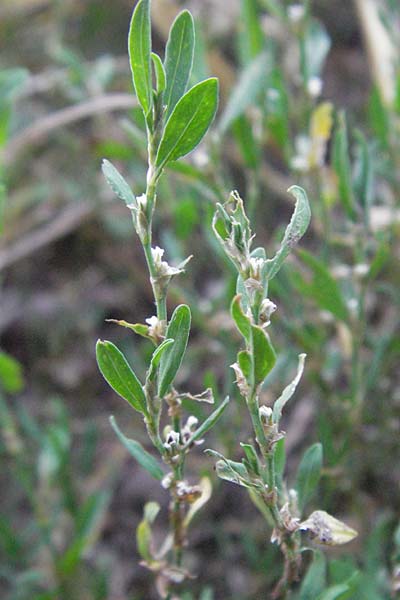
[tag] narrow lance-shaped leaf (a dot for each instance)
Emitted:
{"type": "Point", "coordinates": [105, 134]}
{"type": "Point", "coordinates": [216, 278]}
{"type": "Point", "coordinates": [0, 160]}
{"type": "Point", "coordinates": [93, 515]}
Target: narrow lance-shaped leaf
{"type": "Point", "coordinates": [145, 460]}
{"type": "Point", "coordinates": [288, 391]}
{"type": "Point", "coordinates": [208, 423]}
{"type": "Point", "coordinates": [139, 43]}
{"type": "Point", "coordinates": [117, 183]}
{"type": "Point", "coordinates": [242, 321]}
{"type": "Point", "coordinates": [341, 162]}
{"type": "Point", "coordinates": [116, 371]}
{"type": "Point", "coordinates": [294, 232]}
{"type": "Point", "coordinates": [189, 121]}
{"type": "Point", "coordinates": [264, 356]}
{"type": "Point", "coordinates": [314, 581]}
{"type": "Point", "coordinates": [250, 84]}
{"type": "Point", "coordinates": [308, 474]}
{"type": "Point", "coordinates": [160, 73]}
{"type": "Point", "coordinates": [178, 59]}
{"type": "Point", "coordinates": [155, 359]}
{"type": "Point", "coordinates": [178, 330]}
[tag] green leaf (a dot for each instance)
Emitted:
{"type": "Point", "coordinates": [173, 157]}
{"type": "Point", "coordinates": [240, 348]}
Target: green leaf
{"type": "Point", "coordinates": [251, 83]}
{"type": "Point", "coordinates": [160, 73]}
{"type": "Point", "coordinates": [145, 460]}
{"type": "Point", "coordinates": [232, 471]}
{"type": "Point", "coordinates": [178, 330]}
{"type": "Point", "coordinates": [264, 356]}
{"type": "Point", "coordinates": [87, 524]}
{"type": "Point", "coordinates": [245, 364]}
{"type": "Point", "coordinates": [11, 377]}
{"type": "Point", "coordinates": [314, 581]}
{"type": "Point", "coordinates": [178, 59]}
{"type": "Point", "coordinates": [335, 592]}
{"type": "Point", "coordinates": [324, 289]}
{"type": "Point", "coordinates": [208, 423]}
{"type": "Point", "coordinates": [143, 540]}
{"type": "Point", "coordinates": [242, 321]}
{"type": "Point", "coordinates": [189, 121]}
{"type": "Point", "coordinates": [288, 391]}
{"type": "Point", "coordinates": [294, 232]}
{"type": "Point", "coordinates": [117, 183]}
{"type": "Point", "coordinates": [251, 460]}
{"type": "Point", "coordinates": [116, 371]}
{"type": "Point", "coordinates": [251, 36]}
{"type": "Point", "coordinates": [308, 474]}
{"type": "Point", "coordinates": [139, 43]}
{"type": "Point", "coordinates": [341, 164]}
{"type": "Point", "coordinates": [155, 359]}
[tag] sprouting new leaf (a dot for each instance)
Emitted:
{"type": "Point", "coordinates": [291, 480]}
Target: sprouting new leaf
{"type": "Point", "coordinates": [160, 73]}
{"type": "Point", "coordinates": [294, 232]}
{"type": "Point", "coordinates": [145, 460]}
{"type": "Point", "coordinates": [242, 321]}
{"type": "Point", "coordinates": [11, 376]}
{"type": "Point", "coordinates": [116, 371]}
{"type": "Point", "coordinates": [189, 121]}
{"type": "Point", "coordinates": [178, 59]}
{"type": "Point", "coordinates": [308, 474]}
{"type": "Point", "coordinates": [139, 44]}
{"type": "Point", "coordinates": [288, 391]}
{"type": "Point", "coordinates": [264, 356]}
{"type": "Point", "coordinates": [178, 330]}
{"type": "Point", "coordinates": [208, 423]}
{"type": "Point", "coordinates": [117, 183]}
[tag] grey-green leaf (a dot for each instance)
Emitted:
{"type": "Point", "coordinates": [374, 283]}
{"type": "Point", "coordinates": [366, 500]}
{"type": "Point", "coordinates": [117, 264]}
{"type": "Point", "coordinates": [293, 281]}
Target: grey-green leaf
{"type": "Point", "coordinates": [294, 232]}
{"type": "Point", "coordinates": [314, 581]}
{"type": "Point", "coordinates": [308, 474]}
{"type": "Point", "coordinates": [242, 321]}
{"type": "Point", "coordinates": [288, 391]}
{"type": "Point", "coordinates": [178, 59]}
{"type": "Point", "coordinates": [208, 423]}
{"type": "Point", "coordinates": [116, 371]}
{"type": "Point", "coordinates": [249, 86]}
{"type": "Point", "coordinates": [189, 121]}
{"type": "Point", "coordinates": [145, 460]}
{"type": "Point", "coordinates": [139, 43]}
{"type": "Point", "coordinates": [156, 357]}
{"type": "Point", "coordinates": [117, 183]}
{"type": "Point", "coordinates": [178, 330]}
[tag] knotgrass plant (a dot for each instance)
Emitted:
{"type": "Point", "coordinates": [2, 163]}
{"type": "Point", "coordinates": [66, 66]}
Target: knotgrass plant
{"type": "Point", "coordinates": [176, 121]}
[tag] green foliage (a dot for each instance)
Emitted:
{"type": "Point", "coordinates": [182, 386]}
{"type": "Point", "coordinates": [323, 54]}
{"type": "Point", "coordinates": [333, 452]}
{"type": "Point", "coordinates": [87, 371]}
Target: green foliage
{"type": "Point", "coordinates": [189, 122]}
{"type": "Point", "coordinates": [178, 330]}
{"type": "Point", "coordinates": [308, 474]}
{"type": "Point", "coordinates": [116, 371]}
{"type": "Point", "coordinates": [139, 43]}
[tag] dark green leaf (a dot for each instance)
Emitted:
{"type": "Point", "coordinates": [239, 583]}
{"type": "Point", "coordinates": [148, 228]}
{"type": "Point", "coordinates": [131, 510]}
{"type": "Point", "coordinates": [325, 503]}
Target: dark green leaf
{"type": "Point", "coordinates": [243, 322]}
{"type": "Point", "coordinates": [178, 59]}
{"type": "Point", "coordinates": [308, 474]}
{"type": "Point", "coordinates": [116, 371]}
{"type": "Point", "coordinates": [117, 183]}
{"type": "Point", "coordinates": [294, 232]}
{"type": "Point", "coordinates": [155, 359]}
{"type": "Point", "coordinates": [189, 121]}
{"type": "Point", "coordinates": [139, 42]}
{"type": "Point", "coordinates": [178, 330]}
{"type": "Point", "coordinates": [264, 356]}
{"type": "Point", "coordinates": [145, 460]}
{"type": "Point", "coordinates": [208, 423]}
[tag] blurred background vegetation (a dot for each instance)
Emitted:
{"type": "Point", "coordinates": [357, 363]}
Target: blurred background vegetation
{"type": "Point", "coordinates": [310, 94]}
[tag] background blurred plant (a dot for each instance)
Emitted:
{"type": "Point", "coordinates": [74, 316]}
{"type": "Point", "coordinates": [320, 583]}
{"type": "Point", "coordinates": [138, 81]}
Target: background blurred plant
{"type": "Point", "coordinates": [67, 261]}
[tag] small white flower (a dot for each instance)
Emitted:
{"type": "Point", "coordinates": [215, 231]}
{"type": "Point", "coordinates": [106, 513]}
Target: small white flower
{"type": "Point", "coordinates": [265, 413]}
{"type": "Point", "coordinates": [167, 480]}
{"type": "Point", "coordinates": [295, 12]}
{"type": "Point", "coordinates": [314, 86]}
